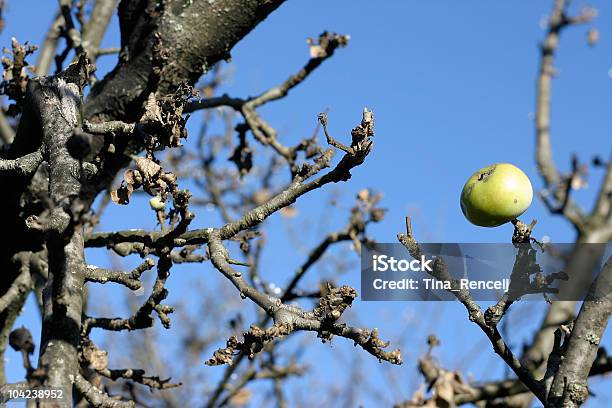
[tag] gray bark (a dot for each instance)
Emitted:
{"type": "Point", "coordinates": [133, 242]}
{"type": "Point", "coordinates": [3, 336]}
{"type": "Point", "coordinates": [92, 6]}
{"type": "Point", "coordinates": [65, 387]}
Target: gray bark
{"type": "Point", "coordinates": [57, 103]}
{"type": "Point", "coordinates": [569, 388]}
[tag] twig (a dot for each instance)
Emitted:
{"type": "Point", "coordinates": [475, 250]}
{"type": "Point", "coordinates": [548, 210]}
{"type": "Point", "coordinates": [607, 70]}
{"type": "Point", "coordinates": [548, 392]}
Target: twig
{"type": "Point", "coordinates": [131, 280]}
{"type": "Point", "coordinates": [441, 273]}
{"type": "Point", "coordinates": [47, 53]}
{"type": "Point", "coordinates": [93, 31]}
{"type": "Point", "coordinates": [333, 142]}
{"type": "Point", "coordinates": [21, 285]}
{"type": "Point", "coordinates": [320, 50]}
{"type": "Point", "coordinates": [70, 32]}
{"type": "Point", "coordinates": [96, 397]}
{"type": "Point", "coordinates": [138, 376]}
{"type": "Point", "coordinates": [544, 158]}
{"type": "Point", "coordinates": [142, 317]}
{"type": "Point", "coordinates": [327, 44]}
{"type": "Point", "coordinates": [108, 51]}
{"type": "Point", "coordinates": [115, 126]}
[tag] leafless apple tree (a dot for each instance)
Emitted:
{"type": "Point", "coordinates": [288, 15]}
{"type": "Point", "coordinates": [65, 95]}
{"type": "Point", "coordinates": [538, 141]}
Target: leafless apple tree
{"type": "Point", "coordinates": [70, 137]}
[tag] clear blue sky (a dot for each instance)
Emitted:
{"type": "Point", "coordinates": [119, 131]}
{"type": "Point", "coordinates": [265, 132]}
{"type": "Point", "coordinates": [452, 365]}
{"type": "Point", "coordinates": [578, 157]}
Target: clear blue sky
{"type": "Point", "coordinates": [452, 88]}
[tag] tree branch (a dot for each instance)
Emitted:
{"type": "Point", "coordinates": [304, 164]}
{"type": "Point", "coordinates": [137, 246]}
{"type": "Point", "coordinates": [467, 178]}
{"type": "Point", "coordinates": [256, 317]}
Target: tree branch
{"type": "Point", "coordinates": [544, 157]}
{"type": "Point", "coordinates": [94, 30]}
{"type": "Point", "coordinates": [569, 387]}
{"type": "Point", "coordinates": [22, 166]}
{"type": "Point", "coordinates": [130, 280]}
{"type": "Point", "coordinates": [96, 397]}
{"type": "Point", "coordinates": [440, 272]}
{"type": "Point", "coordinates": [56, 102]}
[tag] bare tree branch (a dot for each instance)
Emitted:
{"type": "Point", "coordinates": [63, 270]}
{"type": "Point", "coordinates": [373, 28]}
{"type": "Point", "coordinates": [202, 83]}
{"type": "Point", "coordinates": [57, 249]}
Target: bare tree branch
{"type": "Point", "coordinates": [95, 28]}
{"type": "Point", "coordinates": [544, 158]}
{"type": "Point", "coordinates": [569, 387]}
{"type": "Point", "coordinates": [47, 51]}
{"type": "Point", "coordinates": [22, 166]}
{"type": "Point", "coordinates": [96, 397]}
{"type": "Point", "coordinates": [130, 280]}
{"type": "Point", "coordinates": [440, 272]}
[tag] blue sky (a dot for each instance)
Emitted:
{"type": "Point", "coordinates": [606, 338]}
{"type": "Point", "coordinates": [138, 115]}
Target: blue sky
{"type": "Point", "coordinates": [452, 86]}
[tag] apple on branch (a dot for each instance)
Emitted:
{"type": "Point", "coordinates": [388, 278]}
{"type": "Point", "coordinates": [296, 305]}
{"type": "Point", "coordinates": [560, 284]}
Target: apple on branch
{"type": "Point", "coordinates": [495, 195]}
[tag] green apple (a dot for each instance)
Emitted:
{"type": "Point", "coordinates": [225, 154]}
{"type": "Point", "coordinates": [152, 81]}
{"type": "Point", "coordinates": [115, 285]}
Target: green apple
{"type": "Point", "coordinates": [495, 195]}
{"type": "Point", "coordinates": [157, 204]}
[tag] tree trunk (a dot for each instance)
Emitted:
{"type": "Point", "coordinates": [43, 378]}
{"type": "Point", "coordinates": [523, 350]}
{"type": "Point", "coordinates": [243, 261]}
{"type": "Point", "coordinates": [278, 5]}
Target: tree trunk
{"type": "Point", "coordinates": [57, 103]}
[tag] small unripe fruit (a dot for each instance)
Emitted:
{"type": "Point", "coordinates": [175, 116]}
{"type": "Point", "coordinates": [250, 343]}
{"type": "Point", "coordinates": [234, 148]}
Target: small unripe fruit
{"type": "Point", "coordinates": [495, 195]}
{"type": "Point", "coordinates": [157, 204]}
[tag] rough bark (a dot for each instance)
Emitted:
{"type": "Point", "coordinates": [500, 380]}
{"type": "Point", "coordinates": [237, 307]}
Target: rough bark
{"type": "Point", "coordinates": [569, 388]}
{"type": "Point", "coordinates": [562, 312]}
{"type": "Point", "coordinates": [164, 46]}
{"type": "Point", "coordinates": [56, 101]}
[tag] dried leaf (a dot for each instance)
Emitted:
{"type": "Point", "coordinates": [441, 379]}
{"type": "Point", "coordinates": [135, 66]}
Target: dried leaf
{"type": "Point", "coordinates": [152, 110]}
{"type": "Point", "coordinates": [121, 195]}
{"type": "Point", "coordinates": [132, 177]}
{"type": "Point", "coordinates": [163, 118]}
{"type": "Point", "coordinates": [148, 168]}
{"type": "Point", "coordinates": [169, 178]}
{"type": "Point", "coordinates": [99, 359]}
